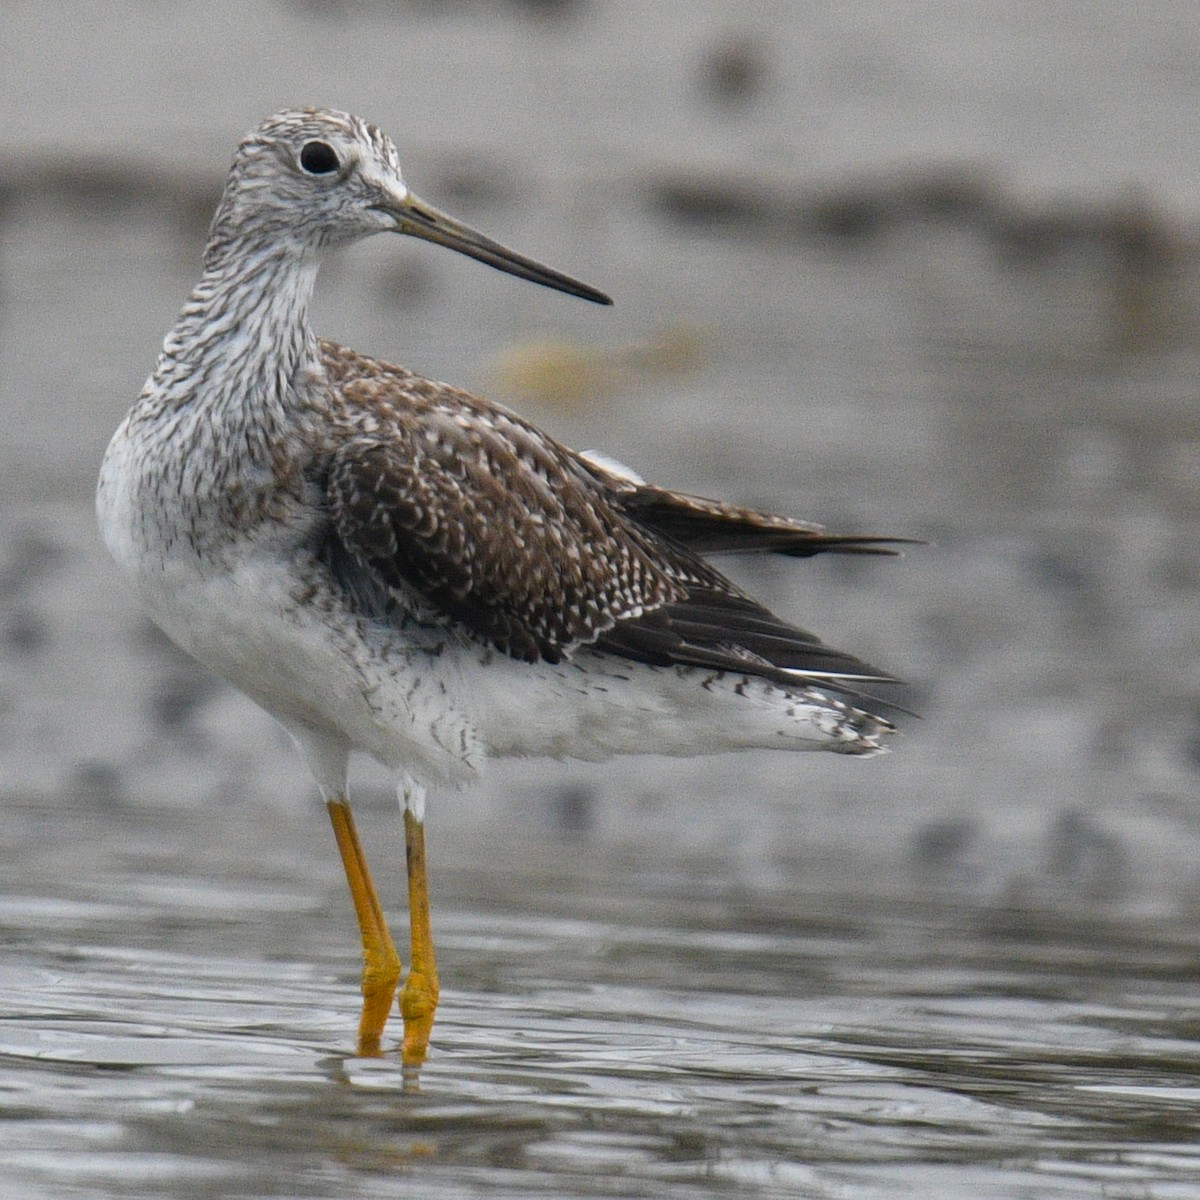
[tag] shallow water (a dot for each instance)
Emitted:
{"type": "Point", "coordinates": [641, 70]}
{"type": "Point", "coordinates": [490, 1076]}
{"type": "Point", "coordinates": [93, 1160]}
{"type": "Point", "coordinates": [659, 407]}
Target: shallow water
{"type": "Point", "coordinates": [171, 1029]}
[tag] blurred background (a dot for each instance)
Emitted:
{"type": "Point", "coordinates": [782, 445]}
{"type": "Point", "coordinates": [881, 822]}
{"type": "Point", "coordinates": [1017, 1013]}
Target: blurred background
{"type": "Point", "coordinates": [921, 270]}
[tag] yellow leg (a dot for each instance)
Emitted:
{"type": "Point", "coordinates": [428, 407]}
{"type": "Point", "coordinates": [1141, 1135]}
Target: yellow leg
{"type": "Point", "coordinates": [419, 996]}
{"type": "Point", "coordinates": [381, 963]}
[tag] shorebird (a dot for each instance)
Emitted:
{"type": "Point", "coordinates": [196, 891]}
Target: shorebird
{"type": "Point", "coordinates": [391, 565]}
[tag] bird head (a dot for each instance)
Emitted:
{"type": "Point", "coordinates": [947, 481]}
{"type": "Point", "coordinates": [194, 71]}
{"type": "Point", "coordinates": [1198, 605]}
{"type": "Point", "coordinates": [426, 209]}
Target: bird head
{"type": "Point", "coordinates": [315, 178]}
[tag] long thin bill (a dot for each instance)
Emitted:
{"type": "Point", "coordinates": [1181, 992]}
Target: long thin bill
{"type": "Point", "coordinates": [422, 220]}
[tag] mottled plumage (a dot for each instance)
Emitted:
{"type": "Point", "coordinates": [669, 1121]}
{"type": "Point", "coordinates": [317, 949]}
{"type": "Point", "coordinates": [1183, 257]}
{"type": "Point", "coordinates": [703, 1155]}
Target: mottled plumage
{"type": "Point", "coordinates": [392, 565]}
{"type": "Point", "coordinates": [538, 551]}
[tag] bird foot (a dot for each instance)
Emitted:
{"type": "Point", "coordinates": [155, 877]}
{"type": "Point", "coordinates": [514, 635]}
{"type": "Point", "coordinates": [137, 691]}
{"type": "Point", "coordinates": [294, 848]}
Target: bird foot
{"type": "Point", "coordinates": [418, 1004]}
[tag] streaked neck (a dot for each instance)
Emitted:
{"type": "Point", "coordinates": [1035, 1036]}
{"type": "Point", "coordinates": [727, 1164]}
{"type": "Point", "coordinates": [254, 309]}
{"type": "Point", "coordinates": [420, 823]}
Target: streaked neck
{"type": "Point", "coordinates": [243, 334]}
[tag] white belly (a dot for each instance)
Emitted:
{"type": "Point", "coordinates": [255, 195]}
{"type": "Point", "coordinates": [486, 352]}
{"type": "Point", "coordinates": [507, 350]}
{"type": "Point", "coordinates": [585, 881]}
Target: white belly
{"type": "Point", "coordinates": [269, 620]}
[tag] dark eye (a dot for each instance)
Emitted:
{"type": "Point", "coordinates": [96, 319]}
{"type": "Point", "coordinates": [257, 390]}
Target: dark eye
{"type": "Point", "coordinates": [318, 158]}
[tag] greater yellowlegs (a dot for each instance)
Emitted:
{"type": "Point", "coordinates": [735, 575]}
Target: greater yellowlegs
{"type": "Point", "coordinates": [391, 565]}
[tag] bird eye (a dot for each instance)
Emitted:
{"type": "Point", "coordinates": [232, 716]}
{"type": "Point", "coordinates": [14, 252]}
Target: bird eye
{"type": "Point", "coordinates": [318, 158]}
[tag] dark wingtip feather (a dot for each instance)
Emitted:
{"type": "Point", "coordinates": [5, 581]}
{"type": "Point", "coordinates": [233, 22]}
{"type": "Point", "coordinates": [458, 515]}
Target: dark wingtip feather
{"type": "Point", "coordinates": [712, 527]}
{"type": "Point", "coordinates": [853, 543]}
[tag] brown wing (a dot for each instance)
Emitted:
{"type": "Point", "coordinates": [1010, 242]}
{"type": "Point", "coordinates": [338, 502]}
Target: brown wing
{"type": "Point", "coordinates": [530, 548]}
{"type": "Point", "coordinates": [512, 550]}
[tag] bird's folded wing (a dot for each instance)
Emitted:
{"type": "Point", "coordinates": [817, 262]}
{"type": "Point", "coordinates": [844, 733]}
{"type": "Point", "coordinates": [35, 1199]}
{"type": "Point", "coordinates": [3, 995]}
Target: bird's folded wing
{"type": "Point", "coordinates": [496, 534]}
{"type": "Point", "coordinates": [520, 541]}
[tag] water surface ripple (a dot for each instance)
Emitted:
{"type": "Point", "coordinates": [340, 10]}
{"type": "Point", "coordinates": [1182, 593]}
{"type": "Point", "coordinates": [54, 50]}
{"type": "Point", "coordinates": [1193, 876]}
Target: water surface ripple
{"type": "Point", "coordinates": [187, 1035]}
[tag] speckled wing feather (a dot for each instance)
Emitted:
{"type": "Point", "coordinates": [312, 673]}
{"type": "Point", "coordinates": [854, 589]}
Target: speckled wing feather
{"type": "Point", "coordinates": [531, 548]}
